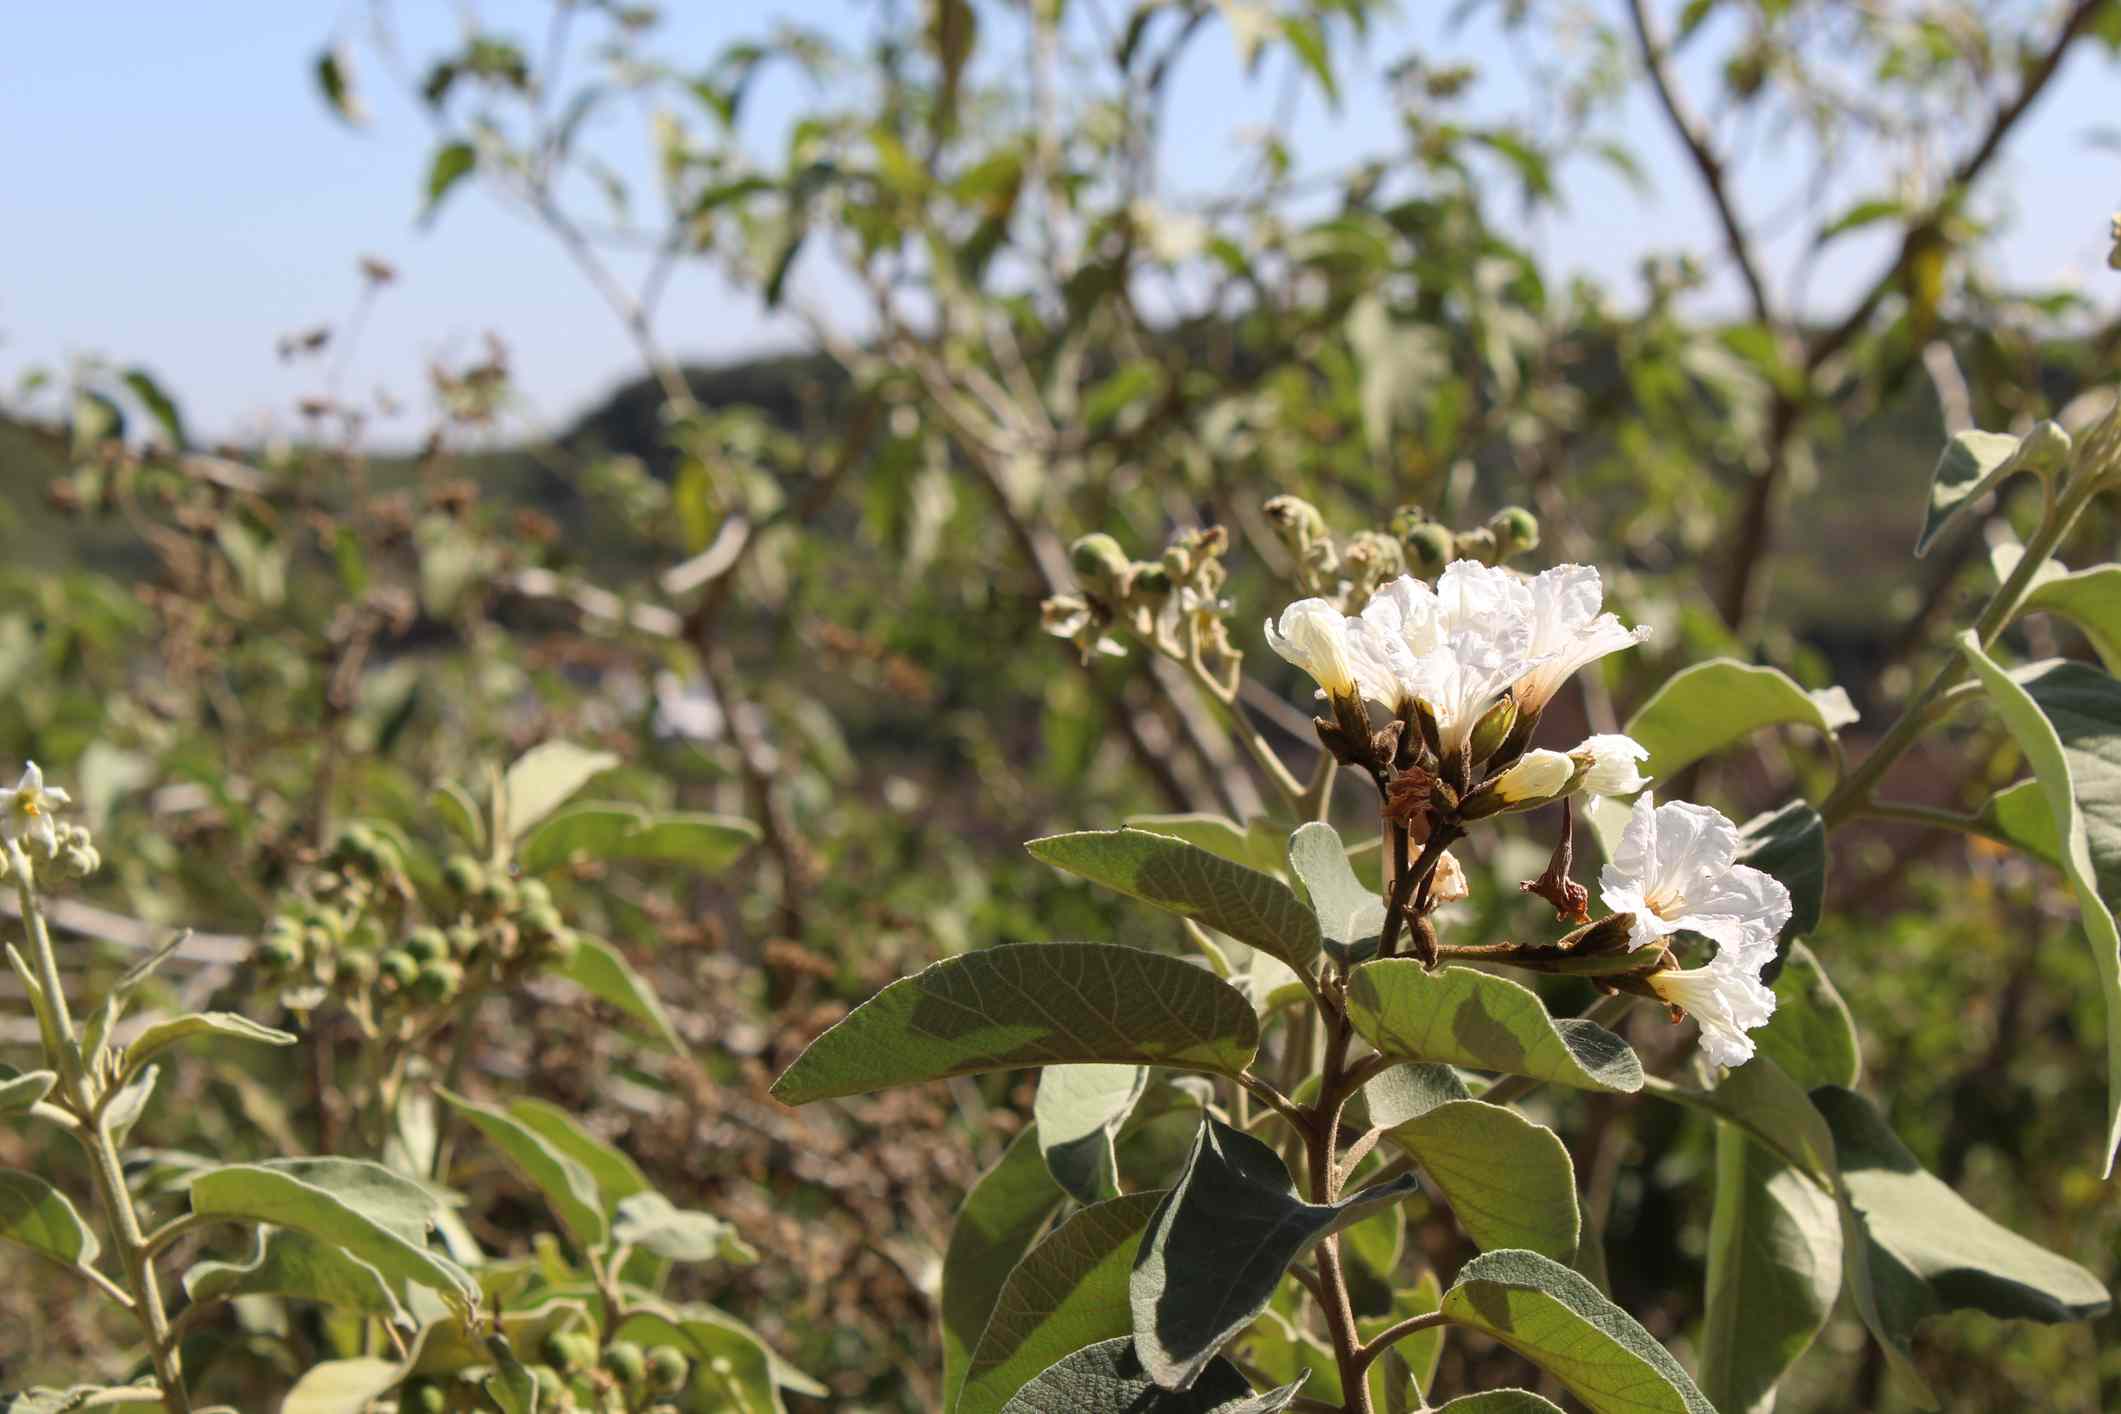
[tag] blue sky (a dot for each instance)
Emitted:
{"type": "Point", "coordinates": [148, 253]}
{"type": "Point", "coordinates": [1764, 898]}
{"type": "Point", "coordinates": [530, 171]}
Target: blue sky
{"type": "Point", "coordinates": [177, 196]}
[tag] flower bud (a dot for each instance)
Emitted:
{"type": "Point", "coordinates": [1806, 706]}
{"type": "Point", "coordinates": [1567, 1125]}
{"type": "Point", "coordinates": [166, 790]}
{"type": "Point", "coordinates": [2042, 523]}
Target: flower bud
{"type": "Point", "coordinates": [626, 1363]}
{"type": "Point", "coordinates": [396, 969]}
{"type": "Point", "coordinates": [667, 1369]}
{"type": "Point", "coordinates": [427, 944]}
{"type": "Point", "coordinates": [1478, 545]}
{"type": "Point", "coordinates": [1429, 548]}
{"type": "Point", "coordinates": [437, 982]}
{"type": "Point", "coordinates": [1297, 521]}
{"type": "Point", "coordinates": [1493, 728]}
{"type": "Point", "coordinates": [1100, 565]}
{"type": "Point", "coordinates": [1608, 762]}
{"type": "Point", "coordinates": [1515, 529]}
{"type": "Point", "coordinates": [463, 875]}
{"type": "Point", "coordinates": [1538, 776]}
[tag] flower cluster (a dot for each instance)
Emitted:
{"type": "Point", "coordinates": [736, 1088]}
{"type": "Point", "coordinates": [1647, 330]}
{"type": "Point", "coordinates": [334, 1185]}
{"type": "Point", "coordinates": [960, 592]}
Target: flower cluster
{"type": "Point", "coordinates": [1472, 663]}
{"type": "Point", "coordinates": [29, 812]}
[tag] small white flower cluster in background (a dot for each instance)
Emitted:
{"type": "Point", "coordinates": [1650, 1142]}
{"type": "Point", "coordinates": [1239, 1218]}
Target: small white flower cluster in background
{"type": "Point", "coordinates": [29, 812]}
{"type": "Point", "coordinates": [1455, 650]}
{"type": "Point", "coordinates": [1676, 870]}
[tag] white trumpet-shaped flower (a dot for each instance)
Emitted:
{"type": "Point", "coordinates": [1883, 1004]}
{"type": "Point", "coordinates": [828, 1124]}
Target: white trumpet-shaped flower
{"type": "Point", "coordinates": [1535, 776]}
{"type": "Point", "coordinates": [1609, 763]}
{"type": "Point", "coordinates": [1331, 647]}
{"type": "Point", "coordinates": [28, 809]}
{"type": "Point", "coordinates": [1726, 997]}
{"type": "Point", "coordinates": [1567, 631]}
{"type": "Point", "coordinates": [1456, 648]}
{"type": "Point", "coordinates": [1676, 870]}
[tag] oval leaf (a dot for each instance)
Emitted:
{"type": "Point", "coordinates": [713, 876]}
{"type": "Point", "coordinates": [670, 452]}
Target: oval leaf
{"type": "Point", "coordinates": [1509, 1181]}
{"type": "Point", "coordinates": [1029, 1004]}
{"type": "Point", "coordinates": [1001, 1216]}
{"type": "Point", "coordinates": [1068, 1292]}
{"type": "Point", "coordinates": [545, 776]}
{"type": "Point", "coordinates": [1462, 1017]}
{"type": "Point", "coordinates": [1774, 1271]}
{"type": "Point", "coordinates": [1974, 463]}
{"type": "Point", "coordinates": [565, 1184]}
{"type": "Point", "coordinates": [1561, 1323]}
{"type": "Point", "coordinates": [164, 1034]}
{"type": "Point", "coordinates": [1184, 879]}
{"type": "Point", "coordinates": [19, 1092]}
{"type": "Point", "coordinates": [1078, 1110]}
{"type": "Point", "coordinates": [1499, 1401]}
{"type": "Point", "coordinates": [35, 1215]}
{"type": "Point", "coordinates": [342, 1386]}
{"type": "Point", "coordinates": [292, 1264]}
{"type": "Point", "coordinates": [1703, 709]}
{"type": "Point", "coordinates": [597, 969]}
{"type": "Point", "coordinates": [708, 843]}
{"type": "Point", "coordinates": [1350, 916]}
{"type": "Point", "coordinates": [1219, 1245]}
{"type": "Point", "coordinates": [594, 830]}
{"type": "Point", "coordinates": [1107, 1379]}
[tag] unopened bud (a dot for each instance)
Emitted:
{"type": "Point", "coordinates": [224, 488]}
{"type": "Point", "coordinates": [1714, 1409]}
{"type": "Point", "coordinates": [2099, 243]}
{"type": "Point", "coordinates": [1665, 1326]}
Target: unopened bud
{"type": "Point", "coordinates": [1493, 728]}
{"type": "Point", "coordinates": [1429, 548]}
{"type": "Point", "coordinates": [1608, 934]}
{"type": "Point", "coordinates": [1478, 545]}
{"type": "Point", "coordinates": [1297, 521]}
{"type": "Point", "coordinates": [1538, 777]}
{"type": "Point", "coordinates": [1516, 530]}
{"type": "Point", "coordinates": [1100, 565]}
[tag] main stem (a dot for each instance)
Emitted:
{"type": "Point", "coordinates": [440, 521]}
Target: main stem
{"type": "Point", "coordinates": [94, 1133]}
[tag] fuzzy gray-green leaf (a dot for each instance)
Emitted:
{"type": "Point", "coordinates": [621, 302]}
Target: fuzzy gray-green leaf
{"type": "Point", "coordinates": [1350, 916]}
{"type": "Point", "coordinates": [1001, 1216]}
{"type": "Point", "coordinates": [1079, 1109]}
{"type": "Point", "coordinates": [1484, 1022]}
{"type": "Point", "coordinates": [1106, 1378]}
{"type": "Point", "coordinates": [35, 1215]}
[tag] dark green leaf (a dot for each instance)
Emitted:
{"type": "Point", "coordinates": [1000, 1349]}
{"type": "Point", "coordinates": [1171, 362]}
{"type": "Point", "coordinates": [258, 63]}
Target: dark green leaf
{"type": "Point", "coordinates": [1029, 1004]}
{"type": "Point", "coordinates": [1500, 1401]}
{"type": "Point", "coordinates": [1220, 1243]}
{"type": "Point", "coordinates": [1790, 843]}
{"type": "Point", "coordinates": [1462, 1017]}
{"type": "Point", "coordinates": [1079, 1109]}
{"type": "Point", "coordinates": [1001, 1216]}
{"type": "Point", "coordinates": [1068, 1292]}
{"type": "Point", "coordinates": [1181, 878]}
{"type": "Point", "coordinates": [1811, 1035]}
{"type": "Point", "coordinates": [160, 406]}
{"type": "Point", "coordinates": [1350, 917]}
{"type": "Point", "coordinates": [1774, 1270]}
{"type": "Point", "coordinates": [1106, 1378]}
{"type": "Point", "coordinates": [1561, 1323]}
{"type": "Point", "coordinates": [2066, 717]}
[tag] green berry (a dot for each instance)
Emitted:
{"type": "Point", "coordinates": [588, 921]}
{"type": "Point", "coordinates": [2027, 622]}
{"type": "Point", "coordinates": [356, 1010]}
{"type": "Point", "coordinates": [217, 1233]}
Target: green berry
{"type": "Point", "coordinates": [1099, 564]}
{"type": "Point", "coordinates": [397, 968]}
{"type": "Point", "coordinates": [626, 1363]}
{"type": "Point", "coordinates": [464, 941]}
{"type": "Point", "coordinates": [437, 981]}
{"type": "Point", "coordinates": [1516, 530]}
{"type": "Point", "coordinates": [532, 893]}
{"type": "Point", "coordinates": [427, 944]}
{"type": "Point", "coordinates": [356, 972]}
{"type": "Point", "coordinates": [497, 895]}
{"type": "Point", "coordinates": [667, 1369]}
{"type": "Point", "coordinates": [568, 1351]}
{"type": "Point", "coordinates": [558, 951]}
{"type": "Point", "coordinates": [1429, 548]}
{"type": "Point", "coordinates": [278, 954]}
{"type": "Point", "coordinates": [541, 921]}
{"type": "Point", "coordinates": [463, 875]}
{"type": "Point", "coordinates": [551, 1388]}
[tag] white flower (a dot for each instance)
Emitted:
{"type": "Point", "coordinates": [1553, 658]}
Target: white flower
{"type": "Point", "coordinates": [1326, 643]}
{"type": "Point", "coordinates": [1726, 997]}
{"type": "Point", "coordinates": [1676, 871]}
{"type": "Point", "coordinates": [1456, 648]}
{"type": "Point", "coordinates": [1568, 631]}
{"type": "Point", "coordinates": [29, 807]}
{"type": "Point", "coordinates": [1537, 775]}
{"type": "Point", "coordinates": [1448, 883]}
{"type": "Point", "coordinates": [1608, 762]}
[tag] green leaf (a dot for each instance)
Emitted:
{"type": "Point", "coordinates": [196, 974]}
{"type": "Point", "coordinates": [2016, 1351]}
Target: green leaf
{"type": "Point", "coordinates": [545, 776]}
{"type": "Point", "coordinates": [1350, 916]}
{"type": "Point", "coordinates": [2066, 717]}
{"type": "Point", "coordinates": [2090, 599]}
{"type": "Point", "coordinates": [617, 1177]}
{"type": "Point", "coordinates": [1509, 1181]}
{"type": "Point", "coordinates": [1106, 1378]}
{"type": "Point", "coordinates": [565, 1185]}
{"type": "Point", "coordinates": [1559, 1322]}
{"type": "Point", "coordinates": [1790, 843]}
{"type": "Point", "coordinates": [1181, 878]}
{"type": "Point", "coordinates": [653, 1223]}
{"type": "Point", "coordinates": [1068, 1292]}
{"type": "Point", "coordinates": [999, 1220]}
{"type": "Point", "coordinates": [35, 1215]}
{"type": "Point", "coordinates": [1029, 1004]}
{"type": "Point", "coordinates": [594, 830]}
{"type": "Point", "coordinates": [512, 1388]}
{"type": "Point", "coordinates": [1974, 463]}
{"type": "Point", "coordinates": [1079, 1109]}
{"type": "Point", "coordinates": [1811, 1035]}
{"type": "Point", "coordinates": [1255, 846]}
{"type": "Point", "coordinates": [1929, 1250]}
{"type": "Point", "coordinates": [1710, 706]}
{"type": "Point", "coordinates": [597, 969]}
{"type": "Point", "coordinates": [1419, 1353]}
{"type": "Point", "coordinates": [453, 805]}
{"type": "Point", "coordinates": [336, 84]}
{"type": "Point", "coordinates": [294, 1265]}
{"type": "Point", "coordinates": [452, 163]}
{"type": "Point", "coordinates": [1774, 1271]}
{"type": "Point", "coordinates": [228, 1024]}
{"type": "Point", "coordinates": [123, 1110]}
{"type": "Point", "coordinates": [360, 1207]}
{"type": "Point", "coordinates": [342, 1386]}
{"type": "Point", "coordinates": [19, 1092]}
{"type": "Point", "coordinates": [1863, 213]}
{"type": "Point", "coordinates": [1220, 1243]}
{"type": "Point", "coordinates": [1768, 1105]}
{"type": "Point", "coordinates": [160, 406]}
{"type": "Point", "coordinates": [1462, 1017]}
{"type": "Point", "coordinates": [708, 843]}
{"type": "Point", "coordinates": [1499, 1401]}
